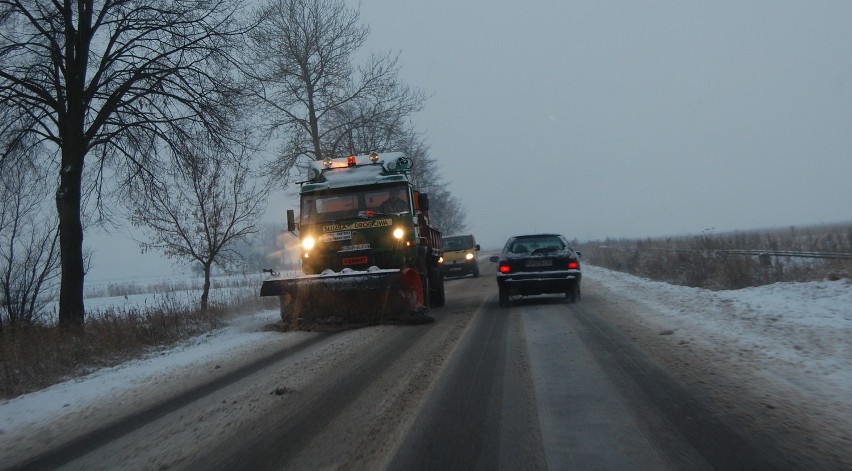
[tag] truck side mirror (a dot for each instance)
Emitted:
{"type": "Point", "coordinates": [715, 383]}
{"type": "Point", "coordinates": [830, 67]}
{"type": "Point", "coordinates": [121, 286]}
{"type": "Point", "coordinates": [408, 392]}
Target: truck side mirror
{"type": "Point", "coordinates": [291, 220]}
{"type": "Point", "coordinates": [424, 202]}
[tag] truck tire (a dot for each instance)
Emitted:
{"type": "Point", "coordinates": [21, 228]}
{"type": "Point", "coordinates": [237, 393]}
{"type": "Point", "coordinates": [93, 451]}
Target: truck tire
{"type": "Point", "coordinates": [427, 292]}
{"type": "Point", "coordinates": [437, 289]}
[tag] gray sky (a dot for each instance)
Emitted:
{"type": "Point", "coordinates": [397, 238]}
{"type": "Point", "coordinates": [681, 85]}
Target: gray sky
{"type": "Point", "coordinates": [629, 118]}
{"type": "Point", "coordinates": [626, 118]}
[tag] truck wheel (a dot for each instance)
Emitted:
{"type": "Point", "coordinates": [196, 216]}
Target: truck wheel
{"type": "Point", "coordinates": [427, 292]}
{"type": "Point", "coordinates": [437, 289]}
{"type": "Point", "coordinates": [286, 302]}
{"type": "Point", "coordinates": [504, 298]}
{"type": "Point", "coordinates": [476, 271]}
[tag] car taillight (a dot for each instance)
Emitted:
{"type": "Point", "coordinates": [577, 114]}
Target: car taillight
{"type": "Point", "coordinates": [573, 265]}
{"type": "Point", "coordinates": [504, 268]}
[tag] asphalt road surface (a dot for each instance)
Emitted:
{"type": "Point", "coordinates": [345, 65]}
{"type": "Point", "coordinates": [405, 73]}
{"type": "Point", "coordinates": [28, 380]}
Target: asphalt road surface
{"type": "Point", "coordinates": [540, 385]}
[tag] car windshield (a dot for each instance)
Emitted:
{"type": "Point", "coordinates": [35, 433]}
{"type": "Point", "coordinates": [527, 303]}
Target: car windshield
{"type": "Point", "coordinates": [531, 244]}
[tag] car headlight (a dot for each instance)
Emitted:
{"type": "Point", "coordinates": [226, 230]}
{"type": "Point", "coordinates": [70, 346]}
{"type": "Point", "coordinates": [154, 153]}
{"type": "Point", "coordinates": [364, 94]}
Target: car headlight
{"type": "Point", "coordinates": [308, 243]}
{"type": "Point", "coordinates": [398, 233]}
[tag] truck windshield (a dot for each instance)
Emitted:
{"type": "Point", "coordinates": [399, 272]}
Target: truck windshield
{"type": "Point", "coordinates": [332, 206]}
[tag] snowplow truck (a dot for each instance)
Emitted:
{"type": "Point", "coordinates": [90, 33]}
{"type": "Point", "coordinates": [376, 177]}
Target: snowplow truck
{"type": "Point", "coordinates": [368, 251]}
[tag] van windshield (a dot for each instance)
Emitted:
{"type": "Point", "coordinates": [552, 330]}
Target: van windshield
{"type": "Point", "coordinates": [452, 244]}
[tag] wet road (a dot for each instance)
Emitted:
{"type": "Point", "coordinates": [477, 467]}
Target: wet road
{"type": "Point", "coordinates": [548, 385]}
{"type": "Point", "coordinates": [540, 385]}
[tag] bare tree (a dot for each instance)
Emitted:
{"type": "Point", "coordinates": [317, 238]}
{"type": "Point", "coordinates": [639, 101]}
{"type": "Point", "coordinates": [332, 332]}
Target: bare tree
{"type": "Point", "coordinates": [302, 57]}
{"type": "Point", "coordinates": [446, 211]}
{"type": "Point", "coordinates": [100, 83]}
{"type": "Point", "coordinates": [29, 258]}
{"type": "Point", "coordinates": [372, 123]}
{"type": "Point", "coordinates": [200, 208]}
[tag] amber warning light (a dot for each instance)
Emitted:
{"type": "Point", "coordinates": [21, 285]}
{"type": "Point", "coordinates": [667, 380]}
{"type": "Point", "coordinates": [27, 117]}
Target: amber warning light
{"type": "Point", "coordinates": [351, 161]}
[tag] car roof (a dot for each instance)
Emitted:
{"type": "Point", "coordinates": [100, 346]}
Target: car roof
{"type": "Point", "coordinates": [545, 234]}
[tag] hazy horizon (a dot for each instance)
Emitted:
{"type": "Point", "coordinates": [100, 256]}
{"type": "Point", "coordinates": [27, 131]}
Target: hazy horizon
{"type": "Point", "coordinates": [628, 119]}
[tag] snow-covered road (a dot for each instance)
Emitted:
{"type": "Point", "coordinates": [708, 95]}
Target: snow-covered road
{"type": "Point", "coordinates": [787, 345]}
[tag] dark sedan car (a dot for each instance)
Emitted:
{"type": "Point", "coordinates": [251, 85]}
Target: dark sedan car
{"type": "Point", "coordinates": [538, 264]}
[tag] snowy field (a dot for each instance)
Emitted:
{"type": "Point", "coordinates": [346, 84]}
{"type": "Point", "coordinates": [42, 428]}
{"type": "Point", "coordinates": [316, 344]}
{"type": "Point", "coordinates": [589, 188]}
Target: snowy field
{"type": "Point", "coordinates": [179, 292]}
{"type": "Point", "coordinates": [789, 338]}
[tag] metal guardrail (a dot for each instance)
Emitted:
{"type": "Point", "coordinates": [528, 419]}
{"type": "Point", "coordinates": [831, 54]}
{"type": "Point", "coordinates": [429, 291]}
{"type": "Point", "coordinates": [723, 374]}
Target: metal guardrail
{"type": "Point", "coordinates": [770, 253]}
{"type": "Point", "coordinates": [786, 253]}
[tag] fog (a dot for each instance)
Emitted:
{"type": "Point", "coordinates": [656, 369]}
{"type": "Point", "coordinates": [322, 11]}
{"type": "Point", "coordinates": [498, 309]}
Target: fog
{"type": "Point", "coordinates": [631, 119]}
{"type": "Point", "coordinates": [628, 119]}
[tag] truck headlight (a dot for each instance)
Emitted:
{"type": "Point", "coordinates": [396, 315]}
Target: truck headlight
{"type": "Point", "coordinates": [398, 233]}
{"type": "Point", "coordinates": [468, 256]}
{"type": "Point", "coordinates": [308, 243]}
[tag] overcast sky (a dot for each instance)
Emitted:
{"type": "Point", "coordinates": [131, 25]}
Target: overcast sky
{"type": "Point", "coordinates": [630, 118]}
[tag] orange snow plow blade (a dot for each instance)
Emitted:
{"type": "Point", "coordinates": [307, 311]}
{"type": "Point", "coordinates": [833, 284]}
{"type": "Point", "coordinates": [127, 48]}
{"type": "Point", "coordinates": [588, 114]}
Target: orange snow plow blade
{"type": "Point", "coordinates": [374, 296]}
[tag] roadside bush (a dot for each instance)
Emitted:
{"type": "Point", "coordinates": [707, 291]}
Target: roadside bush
{"type": "Point", "coordinates": [39, 355]}
{"type": "Point", "coordinates": [706, 260]}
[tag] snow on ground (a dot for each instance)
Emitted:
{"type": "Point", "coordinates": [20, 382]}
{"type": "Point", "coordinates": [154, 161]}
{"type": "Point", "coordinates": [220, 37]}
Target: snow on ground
{"type": "Point", "coordinates": [798, 331]}
{"type": "Point", "coordinates": [78, 406]}
{"type": "Point", "coordinates": [182, 291]}
{"type": "Point", "coordinates": [778, 356]}
{"type": "Point", "coordinates": [788, 334]}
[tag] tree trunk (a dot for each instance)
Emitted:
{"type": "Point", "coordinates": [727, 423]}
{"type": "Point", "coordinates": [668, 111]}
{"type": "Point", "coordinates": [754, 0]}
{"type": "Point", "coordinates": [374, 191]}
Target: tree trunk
{"type": "Point", "coordinates": [205, 294]}
{"type": "Point", "coordinates": [68, 198]}
{"type": "Point", "coordinates": [69, 195]}
{"type": "Point", "coordinates": [313, 122]}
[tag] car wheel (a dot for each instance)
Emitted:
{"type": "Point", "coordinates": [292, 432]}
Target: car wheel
{"type": "Point", "coordinates": [573, 294]}
{"type": "Point", "coordinates": [504, 298]}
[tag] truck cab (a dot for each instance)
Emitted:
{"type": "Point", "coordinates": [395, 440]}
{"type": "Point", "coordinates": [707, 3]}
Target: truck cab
{"type": "Point", "coordinates": [368, 248]}
{"type": "Point", "coordinates": [363, 211]}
